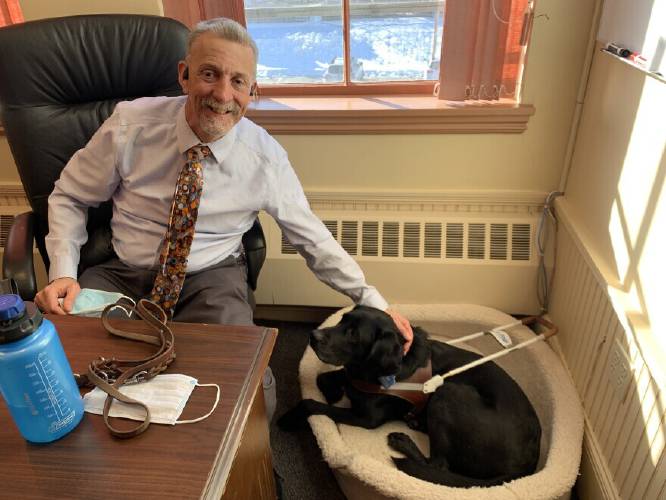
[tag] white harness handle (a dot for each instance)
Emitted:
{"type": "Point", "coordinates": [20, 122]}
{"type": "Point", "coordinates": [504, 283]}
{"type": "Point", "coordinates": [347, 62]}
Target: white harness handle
{"type": "Point", "coordinates": [431, 385]}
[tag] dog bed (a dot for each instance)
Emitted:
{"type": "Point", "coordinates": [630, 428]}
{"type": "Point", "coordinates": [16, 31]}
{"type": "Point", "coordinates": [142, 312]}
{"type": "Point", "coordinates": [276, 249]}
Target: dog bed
{"type": "Point", "coordinates": [360, 458]}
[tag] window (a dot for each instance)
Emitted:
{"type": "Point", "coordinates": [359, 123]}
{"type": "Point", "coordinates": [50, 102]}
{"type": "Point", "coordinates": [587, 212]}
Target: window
{"type": "Point", "coordinates": [467, 50]}
{"type": "Point", "coordinates": [335, 46]}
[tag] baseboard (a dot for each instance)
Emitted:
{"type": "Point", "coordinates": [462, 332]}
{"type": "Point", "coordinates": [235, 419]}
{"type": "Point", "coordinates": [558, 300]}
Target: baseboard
{"type": "Point", "coordinates": [596, 479]}
{"type": "Point", "coordinates": [303, 314]}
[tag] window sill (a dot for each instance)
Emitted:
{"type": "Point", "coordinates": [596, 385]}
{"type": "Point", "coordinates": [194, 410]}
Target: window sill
{"type": "Point", "coordinates": [387, 115]}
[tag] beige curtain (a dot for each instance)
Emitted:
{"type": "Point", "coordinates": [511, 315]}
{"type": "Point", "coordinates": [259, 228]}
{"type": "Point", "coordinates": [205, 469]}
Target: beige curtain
{"type": "Point", "coordinates": [481, 49]}
{"type": "Point", "coordinates": [10, 12]}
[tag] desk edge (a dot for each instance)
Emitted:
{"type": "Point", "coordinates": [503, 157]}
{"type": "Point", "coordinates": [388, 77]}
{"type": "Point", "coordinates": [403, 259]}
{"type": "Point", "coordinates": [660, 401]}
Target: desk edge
{"type": "Point", "coordinates": [219, 473]}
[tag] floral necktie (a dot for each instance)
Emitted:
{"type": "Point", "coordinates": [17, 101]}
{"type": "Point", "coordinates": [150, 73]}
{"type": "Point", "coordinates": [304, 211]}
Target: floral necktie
{"type": "Point", "coordinates": [180, 231]}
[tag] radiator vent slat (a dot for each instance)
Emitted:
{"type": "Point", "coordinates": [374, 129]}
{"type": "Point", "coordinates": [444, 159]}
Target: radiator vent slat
{"type": "Point", "coordinates": [390, 239]}
{"type": "Point", "coordinates": [349, 240]}
{"type": "Point", "coordinates": [476, 243]}
{"type": "Point", "coordinates": [287, 248]}
{"type": "Point", "coordinates": [370, 245]}
{"type": "Point", "coordinates": [411, 239]}
{"type": "Point", "coordinates": [332, 226]}
{"type": "Point", "coordinates": [6, 222]}
{"type": "Point", "coordinates": [432, 245]}
{"type": "Point", "coordinates": [520, 242]}
{"type": "Point", "coordinates": [454, 240]}
{"type": "Point", "coordinates": [498, 241]}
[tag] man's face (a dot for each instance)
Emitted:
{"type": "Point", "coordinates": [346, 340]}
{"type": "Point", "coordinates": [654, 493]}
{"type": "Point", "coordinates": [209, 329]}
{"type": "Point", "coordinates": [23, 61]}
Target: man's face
{"type": "Point", "coordinates": [221, 78]}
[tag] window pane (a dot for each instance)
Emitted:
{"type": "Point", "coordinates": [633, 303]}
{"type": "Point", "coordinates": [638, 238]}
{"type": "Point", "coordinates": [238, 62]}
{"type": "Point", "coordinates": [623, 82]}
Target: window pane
{"type": "Point", "coordinates": [396, 40]}
{"type": "Point", "coordinates": [300, 41]}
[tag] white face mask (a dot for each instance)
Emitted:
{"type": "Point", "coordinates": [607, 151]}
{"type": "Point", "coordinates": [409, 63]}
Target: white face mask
{"type": "Point", "coordinates": [165, 396]}
{"type": "Point", "coordinates": [90, 302]}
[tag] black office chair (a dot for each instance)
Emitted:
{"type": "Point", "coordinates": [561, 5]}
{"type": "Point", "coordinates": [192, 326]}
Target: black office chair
{"type": "Point", "coordinates": [59, 80]}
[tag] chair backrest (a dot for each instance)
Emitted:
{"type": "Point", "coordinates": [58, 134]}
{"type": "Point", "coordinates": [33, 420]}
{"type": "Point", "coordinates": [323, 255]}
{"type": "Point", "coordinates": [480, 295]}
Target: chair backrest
{"type": "Point", "coordinates": [61, 78]}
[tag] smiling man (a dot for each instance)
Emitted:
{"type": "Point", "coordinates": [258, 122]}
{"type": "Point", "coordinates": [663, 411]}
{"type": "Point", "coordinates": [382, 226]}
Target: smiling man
{"type": "Point", "coordinates": [183, 250]}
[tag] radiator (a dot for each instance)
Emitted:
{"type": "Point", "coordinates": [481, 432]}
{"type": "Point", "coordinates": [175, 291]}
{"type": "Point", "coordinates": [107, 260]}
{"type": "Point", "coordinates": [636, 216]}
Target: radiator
{"type": "Point", "coordinates": [623, 398]}
{"type": "Point", "coordinates": [422, 247]}
{"type": "Point", "coordinates": [415, 248]}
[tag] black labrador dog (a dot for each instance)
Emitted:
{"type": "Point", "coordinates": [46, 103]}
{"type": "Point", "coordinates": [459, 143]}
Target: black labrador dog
{"type": "Point", "coordinates": [483, 430]}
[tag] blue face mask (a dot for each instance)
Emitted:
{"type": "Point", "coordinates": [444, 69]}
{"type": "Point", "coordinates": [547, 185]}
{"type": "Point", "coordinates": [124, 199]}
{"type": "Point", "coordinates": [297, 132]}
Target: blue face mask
{"type": "Point", "coordinates": [90, 302]}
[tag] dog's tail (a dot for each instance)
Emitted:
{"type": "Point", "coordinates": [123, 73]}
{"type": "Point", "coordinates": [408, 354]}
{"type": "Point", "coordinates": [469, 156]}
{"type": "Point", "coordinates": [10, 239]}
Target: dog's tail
{"type": "Point", "coordinates": [442, 475]}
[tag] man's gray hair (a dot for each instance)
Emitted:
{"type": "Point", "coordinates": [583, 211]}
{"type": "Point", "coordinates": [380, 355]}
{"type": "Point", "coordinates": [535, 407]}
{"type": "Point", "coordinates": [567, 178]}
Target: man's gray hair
{"type": "Point", "coordinates": [227, 29]}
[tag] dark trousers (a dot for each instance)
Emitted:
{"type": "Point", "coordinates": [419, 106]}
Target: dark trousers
{"type": "Point", "coordinates": [218, 294]}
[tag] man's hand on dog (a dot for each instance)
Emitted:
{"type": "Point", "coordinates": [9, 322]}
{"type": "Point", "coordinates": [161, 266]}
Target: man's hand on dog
{"type": "Point", "coordinates": [403, 325]}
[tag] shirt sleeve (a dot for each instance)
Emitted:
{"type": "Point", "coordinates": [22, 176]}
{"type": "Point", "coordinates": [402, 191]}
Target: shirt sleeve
{"type": "Point", "coordinates": [323, 254]}
{"type": "Point", "coordinates": [89, 178]}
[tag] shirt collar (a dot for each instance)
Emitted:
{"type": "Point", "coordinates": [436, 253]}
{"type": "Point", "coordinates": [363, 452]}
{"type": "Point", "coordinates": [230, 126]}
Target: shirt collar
{"type": "Point", "coordinates": [187, 138]}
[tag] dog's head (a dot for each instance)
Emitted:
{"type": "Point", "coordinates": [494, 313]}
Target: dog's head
{"type": "Point", "coordinates": [365, 337]}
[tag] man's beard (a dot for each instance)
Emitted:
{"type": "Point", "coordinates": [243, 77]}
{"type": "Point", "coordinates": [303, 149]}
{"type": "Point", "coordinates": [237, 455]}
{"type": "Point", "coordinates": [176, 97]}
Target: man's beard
{"type": "Point", "coordinates": [218, 125]}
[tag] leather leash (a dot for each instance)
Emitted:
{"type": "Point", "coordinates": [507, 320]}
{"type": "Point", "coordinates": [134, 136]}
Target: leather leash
{"type": "Point", "coordinates": [111, 374]}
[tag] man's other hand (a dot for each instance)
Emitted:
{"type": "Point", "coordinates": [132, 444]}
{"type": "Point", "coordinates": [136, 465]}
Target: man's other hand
{"type": "Point", "coordinates": [403, 325]}
{"type": "Point", "coordinates": [65, 288]}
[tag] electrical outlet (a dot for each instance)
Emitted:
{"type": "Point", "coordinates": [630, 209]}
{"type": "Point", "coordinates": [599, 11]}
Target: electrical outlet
{"type": "Point", "coordinates": [620, 370]}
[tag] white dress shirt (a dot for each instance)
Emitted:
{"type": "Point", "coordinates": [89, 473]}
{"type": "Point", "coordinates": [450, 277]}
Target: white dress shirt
{"type": "Point", "coordinates": [135, 158]}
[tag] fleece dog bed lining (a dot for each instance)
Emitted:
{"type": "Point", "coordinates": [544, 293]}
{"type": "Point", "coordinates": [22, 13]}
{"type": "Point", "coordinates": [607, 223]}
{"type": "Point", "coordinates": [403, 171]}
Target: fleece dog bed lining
{"type": "Point", "coordinates": [360, 458]}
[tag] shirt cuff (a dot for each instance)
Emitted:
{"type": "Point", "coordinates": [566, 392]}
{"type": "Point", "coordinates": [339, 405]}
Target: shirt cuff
{"type": "Point", "coordinates": [372, 298]}
{"type": "Point", "coordinates": [62, 268]}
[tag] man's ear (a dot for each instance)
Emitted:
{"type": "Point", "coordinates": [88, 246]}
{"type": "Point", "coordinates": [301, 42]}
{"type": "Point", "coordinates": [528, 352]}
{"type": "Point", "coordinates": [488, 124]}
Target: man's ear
{"type": "Point", "coordinates": [184, 76]}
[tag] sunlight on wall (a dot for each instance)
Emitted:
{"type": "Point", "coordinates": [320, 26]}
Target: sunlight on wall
{"type": "Point", "coordinates": [617, 230]}
{"type": "Point", "coordinates": [651, 267]}
{"type": "Point", "coordinates": [641, 161]}
{"type": "Point", "coordinates": [637, 224]}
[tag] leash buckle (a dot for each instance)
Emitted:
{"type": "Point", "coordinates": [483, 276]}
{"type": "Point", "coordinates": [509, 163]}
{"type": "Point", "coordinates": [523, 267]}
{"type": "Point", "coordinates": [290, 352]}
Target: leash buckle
{"type": "Point", "coordinates": [138, 378]}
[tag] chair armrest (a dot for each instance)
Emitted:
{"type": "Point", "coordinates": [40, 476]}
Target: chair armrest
{"type": "Point", "coordinates": [17, 262]}
{"type": "Point", "coordinates": [254, 244]}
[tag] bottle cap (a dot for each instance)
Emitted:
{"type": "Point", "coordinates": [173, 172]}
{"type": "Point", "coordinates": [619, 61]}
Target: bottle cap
{"type": "Point", "coordinates": [11, 306]}
{"type": "Point", "coordinates": [18, 319]}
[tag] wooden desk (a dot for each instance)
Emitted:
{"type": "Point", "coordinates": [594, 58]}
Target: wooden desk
{"type": "Point", "coordinates": [227, 455]}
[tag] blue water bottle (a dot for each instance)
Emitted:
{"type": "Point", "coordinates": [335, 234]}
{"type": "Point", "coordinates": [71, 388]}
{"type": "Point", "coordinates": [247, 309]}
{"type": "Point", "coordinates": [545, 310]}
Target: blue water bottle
{"type": "Point", "coordinates": [35, 378]}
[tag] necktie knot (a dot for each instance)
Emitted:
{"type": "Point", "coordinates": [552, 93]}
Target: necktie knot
{"type": "Point", "coordinates": [198, 152]}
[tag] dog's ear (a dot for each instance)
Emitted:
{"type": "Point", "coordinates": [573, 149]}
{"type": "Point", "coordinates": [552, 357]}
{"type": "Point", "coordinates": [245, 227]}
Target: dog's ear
{"type": "Point", "coordinates": [386, 354]}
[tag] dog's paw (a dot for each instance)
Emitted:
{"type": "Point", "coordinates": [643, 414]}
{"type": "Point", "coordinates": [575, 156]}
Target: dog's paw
{"type": "Point", "coordinates": [399, 441]}
{"type": "Point", "coordinates": [331, 386]}
{"type": "Point", "coordinates": [296, 418]}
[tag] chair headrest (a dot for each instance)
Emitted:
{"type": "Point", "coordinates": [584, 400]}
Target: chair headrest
{"type": "Point", "coordinates": [83, 59]}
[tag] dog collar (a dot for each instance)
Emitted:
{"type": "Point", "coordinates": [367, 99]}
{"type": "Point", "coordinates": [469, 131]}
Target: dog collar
{"type": "Point", "coordinates": [418, 399]}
